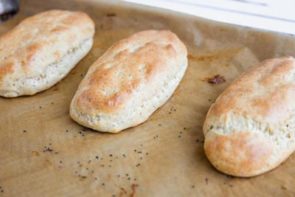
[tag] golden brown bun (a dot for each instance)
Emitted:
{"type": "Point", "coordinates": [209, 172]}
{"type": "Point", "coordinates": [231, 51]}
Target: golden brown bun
{"type": "Point", "coordinates": [41, 50]}
{"type": "Point", "coordinates": [130, 81]}
{"type": "Point", "coordinates": [250, 129]}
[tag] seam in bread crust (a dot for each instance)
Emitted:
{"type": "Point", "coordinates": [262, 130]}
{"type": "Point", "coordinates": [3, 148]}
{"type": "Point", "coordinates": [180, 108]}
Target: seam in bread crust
{"type": "Point", "coordinates": [282, 134]}
{"type": "Point", "coordinates": [281, 137]}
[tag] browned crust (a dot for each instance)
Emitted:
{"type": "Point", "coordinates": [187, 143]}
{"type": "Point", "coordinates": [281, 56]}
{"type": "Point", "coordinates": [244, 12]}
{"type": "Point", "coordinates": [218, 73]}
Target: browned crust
{"type": "Point", "coordinates": [43, 31]}
{"type": "Point", "coordinates": [272, 104]}
{"type": "Point", "coordinates": [240, 154]}
{"type": "Point", "coordinates": [151, 49]}
{"type": "Point", "coordinates": [5, 69]}
{"type": "Point", "coordinates": [264, 96]}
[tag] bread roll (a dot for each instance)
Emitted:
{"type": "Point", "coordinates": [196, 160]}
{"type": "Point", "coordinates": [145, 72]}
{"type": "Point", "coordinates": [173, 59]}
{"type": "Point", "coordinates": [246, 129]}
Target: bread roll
{"type": "Point", "coordinates": [250, 129]}
{"type": "Point", "coordinates": [41, 50]}
{"type": "Point", "coordinates": [130, 81]}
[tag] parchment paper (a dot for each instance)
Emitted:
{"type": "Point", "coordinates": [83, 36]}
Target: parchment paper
{"type": "Point", "coordinates": [44, 153]}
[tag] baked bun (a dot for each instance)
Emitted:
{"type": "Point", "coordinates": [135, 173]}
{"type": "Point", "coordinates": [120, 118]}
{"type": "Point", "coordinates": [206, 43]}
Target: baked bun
{"type": "Point", "coordinates": [130, 81]}
{"type": "Point", "coordinates": [250, 129]}
{"type": "Point", "coordinates": [41, 50]}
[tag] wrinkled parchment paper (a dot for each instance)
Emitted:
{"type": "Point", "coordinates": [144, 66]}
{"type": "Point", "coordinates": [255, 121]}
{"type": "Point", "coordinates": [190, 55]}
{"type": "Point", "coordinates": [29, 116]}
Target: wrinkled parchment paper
{"type": "Point", "coordinates": [44, 153]}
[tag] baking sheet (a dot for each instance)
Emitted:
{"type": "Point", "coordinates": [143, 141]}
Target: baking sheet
{"type": "Point", "coordinates": [44, 153]}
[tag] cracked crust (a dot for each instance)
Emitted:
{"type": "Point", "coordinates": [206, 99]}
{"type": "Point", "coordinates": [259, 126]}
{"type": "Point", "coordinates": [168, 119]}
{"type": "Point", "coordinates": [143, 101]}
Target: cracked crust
{"type": "Point", "coordinates": [250, 128]}
{"type": "Point", "coordinates": [56, 37]}
{"type": "Point", "coordinates": [130, 81]}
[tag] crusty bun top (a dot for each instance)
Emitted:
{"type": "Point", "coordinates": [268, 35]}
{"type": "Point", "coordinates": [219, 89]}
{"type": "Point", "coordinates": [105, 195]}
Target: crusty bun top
{"type": "Point", "coordinates": [130, 81]}
{"type": "Point", "coordinates": [143, 56]}
{"type": "Point", "coordinates": [265, 92]}
{"type": "Point", "coordinates": [41, 40]}
{"type": "Point", "coordinates": [250, 128]}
